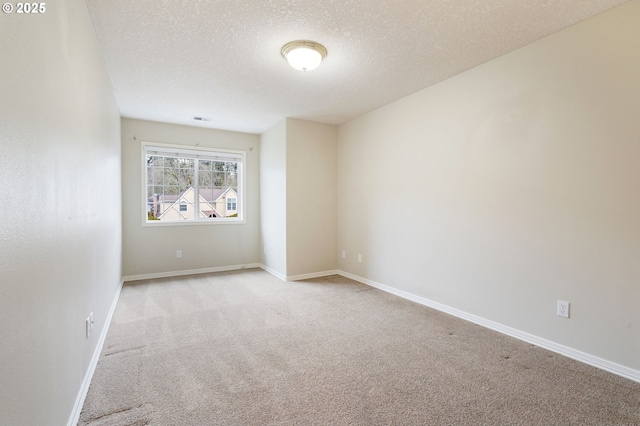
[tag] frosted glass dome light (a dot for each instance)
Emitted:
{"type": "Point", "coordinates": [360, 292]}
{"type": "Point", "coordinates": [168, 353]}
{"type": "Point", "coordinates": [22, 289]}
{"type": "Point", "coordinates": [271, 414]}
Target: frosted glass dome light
{"type": "Point", "coordinates": [304, 55]}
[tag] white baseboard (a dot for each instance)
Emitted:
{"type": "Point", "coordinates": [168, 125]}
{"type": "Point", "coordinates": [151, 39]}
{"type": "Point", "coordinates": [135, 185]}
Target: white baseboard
{"type": "Point", "coordinates": [170, 274]}
{"type": "Point", "coordinates": [84, 389]}
{"type": "Point", "coordinates": [312, 275]}
{"type": "Point", "coordinates": [586, 358]}
{"type": "Point", "coordinates": [301, 276]}
{"type": "Point", "coordinates": [274, 272]}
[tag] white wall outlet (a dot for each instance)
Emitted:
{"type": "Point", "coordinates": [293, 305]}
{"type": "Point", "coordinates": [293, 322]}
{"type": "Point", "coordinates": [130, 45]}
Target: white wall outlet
{"type": "Point", "coordinates": [344, 254]}
{"type": "Point", "coordinates": [89, 325]}
{"type": "Point", "coordinates": [179, 254]}
{"type": "Point", "coordinates": [359, 258]}
{"type": "Point", "coordinates": [562, 309]}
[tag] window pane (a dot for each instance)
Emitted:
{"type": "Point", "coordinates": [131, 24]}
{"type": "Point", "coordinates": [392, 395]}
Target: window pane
{"type": "Point", "coordinates": [170, 176]}
{"type": "Point", "coordinates": [186, 178]}
{"type": "Point", "coordinates": [231, 180]}
{"type": "Point", "coordinates": [153, 160]}
{"type": "Point", "coordinates": [186, 163]}
{"type": "Point", "coordinates": [218, 179]}
{"type": "Point", "coordinates": [154, 176]}
{"type": "Point", "coordinates": [171, 190]}
{"type": "Point", "coordinates": [205, 179]}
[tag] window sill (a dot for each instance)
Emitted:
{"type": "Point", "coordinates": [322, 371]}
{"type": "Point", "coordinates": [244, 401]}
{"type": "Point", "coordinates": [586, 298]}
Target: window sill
{"type": "Point", "coordinates": [163, 223]}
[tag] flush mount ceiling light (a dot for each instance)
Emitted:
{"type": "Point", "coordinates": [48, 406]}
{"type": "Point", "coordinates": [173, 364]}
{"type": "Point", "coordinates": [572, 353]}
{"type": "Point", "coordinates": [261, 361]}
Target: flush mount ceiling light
{"type": "Point", "coordinates": [304, 55]}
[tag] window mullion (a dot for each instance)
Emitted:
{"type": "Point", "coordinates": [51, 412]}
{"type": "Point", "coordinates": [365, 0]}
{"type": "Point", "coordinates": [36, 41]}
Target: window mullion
{"type": "Point", "coordinates": [196, 187]}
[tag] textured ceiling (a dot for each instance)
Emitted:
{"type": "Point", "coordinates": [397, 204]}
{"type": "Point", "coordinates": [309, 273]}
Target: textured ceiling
{"type": "Point", "coordinates": [171, 60]}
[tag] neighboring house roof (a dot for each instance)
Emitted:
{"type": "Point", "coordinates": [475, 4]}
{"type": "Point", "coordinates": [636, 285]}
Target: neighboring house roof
{"type": "Point", "coordinates": [214, 194]}
{"type": "Point", "coordinates": [209, 194]}
{"type": "Point", "coordinates": [213, 212]}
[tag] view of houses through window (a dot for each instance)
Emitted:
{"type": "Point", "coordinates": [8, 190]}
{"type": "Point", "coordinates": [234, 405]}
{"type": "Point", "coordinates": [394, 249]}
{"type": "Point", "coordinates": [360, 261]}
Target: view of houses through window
{"type": "Point", "coordinates": [183, 185]}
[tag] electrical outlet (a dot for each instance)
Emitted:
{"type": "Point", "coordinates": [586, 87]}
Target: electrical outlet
{"type": "Point", "coordinates": [562, 309]}
{"type": "Point", "coordinates": [344, 254]}
{"type": "Point", "coordinates": [179, 254]}
{"type": "Point", "coordinates": [89, 325]}
{"type": "Point", "coordinates": [359, 258]}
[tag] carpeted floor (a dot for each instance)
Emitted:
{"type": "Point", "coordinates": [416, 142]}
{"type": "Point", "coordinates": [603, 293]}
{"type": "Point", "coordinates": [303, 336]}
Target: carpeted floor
{"type": "Point", "coordinates": [244, 348]}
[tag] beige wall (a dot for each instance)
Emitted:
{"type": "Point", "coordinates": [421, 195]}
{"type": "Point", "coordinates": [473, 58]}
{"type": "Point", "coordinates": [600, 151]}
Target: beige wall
{"type": "Point", "coordinates": [60, 223]}
{"type": "Point", "coordinates": [298, 197]}
{"type": "Point", "coordinates": [152, 249]}
{"type": "Point", "coordinates": [311, 197]}
{"type": "Point", "coordinates": [520, 187]}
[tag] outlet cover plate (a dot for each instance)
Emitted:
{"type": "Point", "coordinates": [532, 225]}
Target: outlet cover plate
{"type": "Point", "coordinates": [562, 309]}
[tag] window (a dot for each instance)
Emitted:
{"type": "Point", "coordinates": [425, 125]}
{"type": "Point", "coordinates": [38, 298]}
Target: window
{"type": "Point", "coordinates": [231, 204]}
{"type": "Point", "coordinates": [192, 185]}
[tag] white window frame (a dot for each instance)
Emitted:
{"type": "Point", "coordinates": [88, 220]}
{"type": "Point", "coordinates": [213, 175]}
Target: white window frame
{"type": "Point", "coordinates": [235, 203]}
{"type": "Point", "coordinates": [196, 153]}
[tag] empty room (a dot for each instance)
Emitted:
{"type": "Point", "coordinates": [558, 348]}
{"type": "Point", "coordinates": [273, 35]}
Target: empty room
{"type": "Point", "coordinates": [320, 213]}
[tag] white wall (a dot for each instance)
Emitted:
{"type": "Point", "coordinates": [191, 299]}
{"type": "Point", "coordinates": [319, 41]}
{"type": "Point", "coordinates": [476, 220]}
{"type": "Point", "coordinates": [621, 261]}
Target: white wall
{"type": "Point", "coordinates": [311, 197]}
{"type": "Point", "coordinates": [151, 250]}
{"type": "Point", "coordinates": [514, 184]}
{"type": "Point", "coordinates": [60, 223]}
{"type": "Point", "coordinates": [273, 196]}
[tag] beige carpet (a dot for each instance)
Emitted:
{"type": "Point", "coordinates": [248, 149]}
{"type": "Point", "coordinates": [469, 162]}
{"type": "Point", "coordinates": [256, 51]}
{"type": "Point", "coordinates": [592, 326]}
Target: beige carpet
{"type": "Point", "coordinates": [244, 348]}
